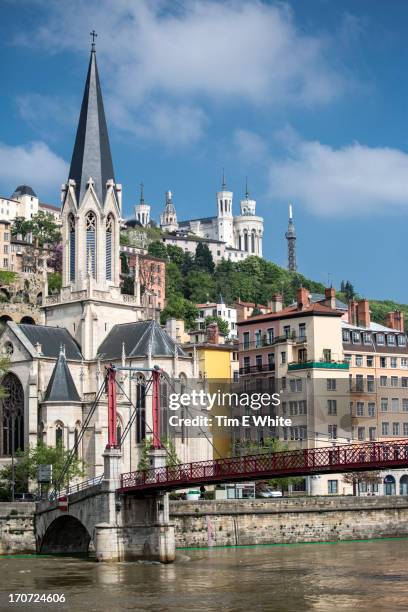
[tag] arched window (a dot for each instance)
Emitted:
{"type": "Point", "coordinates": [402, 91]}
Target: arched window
{"type": "Point", "coordinates": [59, 434]}
{"type": "Point", "coordinates": [389, 485]}
{"type": "Point", "coordinates": [404, 485]}
{"type": "Point", "coordinates": [13, 416]}
{"type": "Point", "coordinates": [91, 242]}
{"type": "Point", "coordinates": [245, 241]}
{"type": "Point", "coordinates": [253, 242]}
{"type": "Point", "coordinates": [109, 245]}
{"type": "Point", "coordinates": [141, 408]}
{"type": "Point", "coordinates": [71, 226]}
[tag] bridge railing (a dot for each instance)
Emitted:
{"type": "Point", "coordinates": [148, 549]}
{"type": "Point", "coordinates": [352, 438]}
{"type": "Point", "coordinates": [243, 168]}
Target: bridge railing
{"type": "Point", "coordinates": [350, 457]}
{"type": "Point", "coordinates": [85, 484]}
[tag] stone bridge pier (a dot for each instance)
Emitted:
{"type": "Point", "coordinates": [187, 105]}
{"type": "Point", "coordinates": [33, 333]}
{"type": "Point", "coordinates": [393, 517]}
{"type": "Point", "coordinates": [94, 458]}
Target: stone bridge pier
{"type": "Point", "coordinates": [110, 526]}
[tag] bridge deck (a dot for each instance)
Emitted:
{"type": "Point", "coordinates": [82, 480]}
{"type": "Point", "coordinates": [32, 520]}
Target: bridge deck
{"type": "Point", "coordinates": [307, 462]}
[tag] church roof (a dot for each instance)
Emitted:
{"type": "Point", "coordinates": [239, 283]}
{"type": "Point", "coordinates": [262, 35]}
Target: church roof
{"type": "Point", "coordinates": [61, 386]}
{"type": "Point", "coordinates": [140, 339]}
{"type": "Point", "coordinates": [51, 339]}
{"type": "Point", "coordinates": [23, 190]}
{"type": "Point", "coordinates": [91, 156]}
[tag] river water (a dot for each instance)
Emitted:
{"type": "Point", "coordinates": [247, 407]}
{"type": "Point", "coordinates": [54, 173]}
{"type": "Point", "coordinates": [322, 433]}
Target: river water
{"type": "Point", "coordinates": [370, 575]}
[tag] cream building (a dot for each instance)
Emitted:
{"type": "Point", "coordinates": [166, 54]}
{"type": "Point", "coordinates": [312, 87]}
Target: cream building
{"type": "Point", "coordinates": [57, 369]}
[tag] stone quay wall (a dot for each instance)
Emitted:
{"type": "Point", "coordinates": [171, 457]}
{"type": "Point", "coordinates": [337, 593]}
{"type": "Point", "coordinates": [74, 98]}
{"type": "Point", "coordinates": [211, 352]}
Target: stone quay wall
{"type": "Point", "coordinates": [17, 528]}
{"type": "Point", "coordinates": [282, 521]}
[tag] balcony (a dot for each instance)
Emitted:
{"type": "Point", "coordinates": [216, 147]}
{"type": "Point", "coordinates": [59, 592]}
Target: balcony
{"type": "Point", "coordinates": [262, 367]}
{"type": "Point", "coordinates": [265, 342]}
{"type": "Point", "coordinates": [322, 365]}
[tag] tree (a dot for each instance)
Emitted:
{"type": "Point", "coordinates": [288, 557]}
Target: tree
{"type": "Point", "coordinates": [7, 277]}
{"type": "Point", "coordinates": [349, 291]}
{"type": "Point", "coordinates": [29, 460]}
{"type": "Point", "coordinates": [203, 259]}
{"type": "Point", "coordinates": [175, 254]}
{"type": "Point", "coordinates": [174, 280]}
{"type": "Point", "coordinates": [54, 282]}
{"type": "Point", "coordinates": [199, 286]}
{"type": "Point", "coordinates": [178, 307]}
{"type": "Point", "coordinates": [222, 324]}
{"type": "Point", "coordinates": [157, 249]}
{"type": "Point", "coordinates": [355, 478]}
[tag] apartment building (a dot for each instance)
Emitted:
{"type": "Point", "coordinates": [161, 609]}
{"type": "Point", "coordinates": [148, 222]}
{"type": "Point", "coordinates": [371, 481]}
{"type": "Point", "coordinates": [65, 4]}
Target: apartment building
{"type": "Point", "coordinates": [210, 309]}
{"type": "Point", "coordinates": [5, 246]}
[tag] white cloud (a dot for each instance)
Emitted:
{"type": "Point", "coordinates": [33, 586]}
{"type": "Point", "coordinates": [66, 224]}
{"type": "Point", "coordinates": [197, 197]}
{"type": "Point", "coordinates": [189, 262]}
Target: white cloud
{"type": "Point", "coordinates": [349, 181]}
{"type": "Point", "coordinates": [249, 146]}
{"type": "Point", "coordinates": [32, 164]}
{"type": "Point", "coordinates": [164, 55]}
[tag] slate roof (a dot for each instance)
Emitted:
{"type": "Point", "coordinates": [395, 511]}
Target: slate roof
{"type": "Point", "coordinates": [141, 339]}
{"type": "Point", "coordinates": [202, 220]}
{"type": "Point", "coordinates": [92, 155]}
{"type": "Point", "coordinates": [23, 190]}
{"type": "Point", "coordinates": [51, 340]}
{"type": "Point", "coordinates": [61, 386]}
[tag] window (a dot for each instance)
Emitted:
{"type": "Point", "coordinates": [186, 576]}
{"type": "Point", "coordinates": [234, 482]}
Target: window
{"type": "Point", "coordinates": [380, 338]}
{"type": "Point", "coordinates": [395, 404]}
{"type": "Point", "coordinates": [404, 404]}
{"type": "Point", "coordinates": [258, 362]}
{"type": "Point", "coordinates": [332, 429]}
{"type": "Point", "coordinates": [371, 409]}
{"type": "Point", "coordinates": [302, 331]}
{"type": "Point", "coordinates": [59, 431]}
{"type": "Point", "coordinates": [360, 408]}
{"type": "Point", "coordinates": [332, 487]}
{"type": "Point", "coordinates": [402, 341]}
{"type": "Point", "coordinates": [109, 245]}
{"type": "Point", "coordinates": [395, 429]}
{"type": "Point", "coordinates": [327, 355]}
{"type": "Point", "coordinates": [331, 384]}
{"type": "Point", "coordinates": [346, 335]}
{"type": "Point", "coordinates": [405, 429]}
{"type": "Point", "coordinates": [383, 362]}
{"type": "Point", "coordinates": [359, 360]}
{"type": "Point", "coordinates": [246, 340]}
{"type": "Point", "coordinates": [370, 384]}
{"type": "Point", "coordinates": [393, 362]}
{"type": "Point", "coordinates": [283, 383]}
{"type": "Point", "coordinates": [286, 331]}
{"type": "Point", "coordinates": [302, 407]}
{"type": "Point", "coordinates": [361, 433]}
{"type": "Point", "coordinates": [384, 428]}
{"type": "Point", "coordinates": [404, 362]}
{"type": "Point", "coordinates": [295, 385]}
{"type": "Point", "coordinates": [258, 338]}
{"type": "Point", "coordinates": [271, 361]}
{"type": "Point", "coordinates": [359, 382]}
{"type": "Point", "coordinates": [332, 407]}
{"type": "Point", "coordinates": [283, 357]}
{"type": "Point", "coordinates": [384, 404]}
{"type": "Point", "coordinates": [391, 340]}
{"type": "Point", "coordinates": [90, 224]}
{"type": "Point", "coordinates": [372, 433]}
{"type": "Point", "coordinates": [394, 381]}
{"type": "Point", "coordinates": [270, 335]}
{"type": "Point", "coordinates": [347, 358]}
{"type": "Point", "coordinates": [383, 381]}
{"type": "Point", "coordinates": [246, 365]}
{"type": "Point", "coordinates": [356, 337]}
{"type": "Point", "coordinates": [404, 382]}
{"type": "Point", "coordinates": [366, 338]}
{"type": "Point", "coordinates": [370, 361]}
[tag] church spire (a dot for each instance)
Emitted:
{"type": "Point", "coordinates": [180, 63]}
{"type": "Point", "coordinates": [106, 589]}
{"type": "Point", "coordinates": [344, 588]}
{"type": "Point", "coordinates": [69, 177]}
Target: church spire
{"type": "Point", "coordinates": [91, 156]}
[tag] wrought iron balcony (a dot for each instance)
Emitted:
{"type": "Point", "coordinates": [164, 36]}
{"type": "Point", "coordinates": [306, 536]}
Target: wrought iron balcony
{"type": "Point", "coordinates": [261, 367]}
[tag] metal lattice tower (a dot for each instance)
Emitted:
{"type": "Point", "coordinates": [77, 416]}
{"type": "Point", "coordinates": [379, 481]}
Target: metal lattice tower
{"type": "Point", "coordinates": [291, 240]}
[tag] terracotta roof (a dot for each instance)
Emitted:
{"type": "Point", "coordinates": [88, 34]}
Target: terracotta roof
{"type": "Point", "coordinates": [293, 311]}
{"type": "Point", "coordinates": [207, 305]}
{"type": "Point", "coordinates": [249, 304]}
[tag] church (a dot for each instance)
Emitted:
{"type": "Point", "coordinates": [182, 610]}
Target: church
{"type": "Point", "coordinates": [58, 368]}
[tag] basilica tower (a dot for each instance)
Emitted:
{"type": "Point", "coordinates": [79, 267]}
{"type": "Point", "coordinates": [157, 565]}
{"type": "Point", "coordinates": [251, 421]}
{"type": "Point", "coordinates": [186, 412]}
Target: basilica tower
{"type": "Point", "coordinates": [224, 214]}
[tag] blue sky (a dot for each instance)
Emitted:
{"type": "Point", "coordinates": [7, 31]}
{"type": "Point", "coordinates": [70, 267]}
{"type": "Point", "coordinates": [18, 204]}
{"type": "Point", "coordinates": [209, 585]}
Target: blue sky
{"type": "Point", "coordinates": [309, 99]}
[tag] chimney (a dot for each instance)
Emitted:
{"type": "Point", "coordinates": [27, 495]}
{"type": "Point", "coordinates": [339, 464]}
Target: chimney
{"type": "Point", "coordinates": [330, 297]}
{"type": "Point", "coordinates": [213, 334]}
{"type": "Point", "coordinates": [302, 298]}
{"type": "Point", "coordinates": [275, 304]}
{"type": "Point", "coordinates": [395, 320]}
{"type": "Point", "coordinates": [363, 313]}
{"type": "Point", "coordinates": [352, 312]}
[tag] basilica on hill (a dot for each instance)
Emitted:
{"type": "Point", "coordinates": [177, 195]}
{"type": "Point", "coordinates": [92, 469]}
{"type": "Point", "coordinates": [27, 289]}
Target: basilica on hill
{"type": "Point", "coordinates": [58, 368]}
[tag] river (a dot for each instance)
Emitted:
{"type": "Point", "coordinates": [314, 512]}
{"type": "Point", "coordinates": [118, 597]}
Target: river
{"type": "Point", "coordinates": [323, 577]}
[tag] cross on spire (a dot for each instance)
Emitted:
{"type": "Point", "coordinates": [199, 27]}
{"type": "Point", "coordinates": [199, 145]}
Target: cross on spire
{"type": "Point", "coordinates": [94, 35]}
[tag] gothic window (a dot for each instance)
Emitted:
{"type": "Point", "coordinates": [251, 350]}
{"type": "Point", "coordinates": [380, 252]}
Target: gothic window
{"type": "Point", "coordinates": [13, 416]}
{"type": "Point", "coordinates": [91, 242]}
{"type": "Point", "coordinates": [141, 408]}
{"type": "Point", "coordinates": [246, 242]}
{"type": "Point", "coordinates": [109, 244]}
{"type": "Point", "coordinates": [253, 242]}
{"type": "Point", "coordinates": [59, 433]}
{"type": "Point", "coordinates": [71, 225]}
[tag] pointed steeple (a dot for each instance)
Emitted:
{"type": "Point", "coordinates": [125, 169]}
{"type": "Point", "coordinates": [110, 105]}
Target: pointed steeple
{"type": "Point", "coordinates": [91, 156]}
{"type": "Point", "coordinates": [61, 387]}
{"type": "Point", "coordinates": [291, 240]}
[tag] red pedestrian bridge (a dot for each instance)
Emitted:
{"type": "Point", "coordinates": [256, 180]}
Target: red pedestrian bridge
{"type": "Point", "coordinates": [307, 462]}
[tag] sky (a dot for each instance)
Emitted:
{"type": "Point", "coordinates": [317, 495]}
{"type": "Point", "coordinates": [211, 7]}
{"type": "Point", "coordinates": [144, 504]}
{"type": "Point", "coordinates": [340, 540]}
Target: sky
{"type": "Point", "coordinates": [308, 100]}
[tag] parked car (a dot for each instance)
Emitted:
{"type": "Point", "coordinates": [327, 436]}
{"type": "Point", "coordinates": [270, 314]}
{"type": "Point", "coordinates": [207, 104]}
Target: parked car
{"type": "Point", "coordinates": [269, 493]}
{"type": "Point", "coordinates": [25, 497]}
